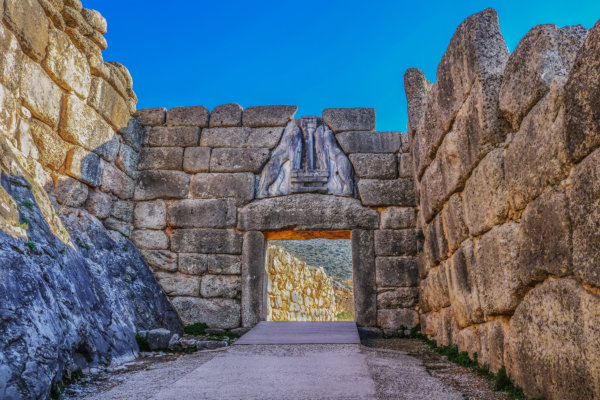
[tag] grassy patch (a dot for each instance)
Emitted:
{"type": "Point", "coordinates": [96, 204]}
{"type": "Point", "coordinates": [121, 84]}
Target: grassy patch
{"type": "Point", "coordinates": [197, 329]}
{"type": "Point", "coordinates": [27, 204]}
{"type": "Point", "coordinates": [345, 316]}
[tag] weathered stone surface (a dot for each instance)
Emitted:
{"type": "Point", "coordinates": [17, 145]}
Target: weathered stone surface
{"type": "Point", "coordinates": [434, 293]}
{"type": "Point", "coordinates": [396, 271]}
{"type": "Point", "coordinates": [150, 215]}
{"type": "Point", "coordinates": [84, 166]}
{"type": "Point", "coordinates": [544, 241]}
{"type": "Point", "coordinates": [254, 279]}
{"type": "Point", "coordinates": [264, 137]}
{"type": "Point", "coordinates": [487, 340]}
{"type": "Point", "coordinates": [178, 284]}
{"type": "Point", "coordinates": [123, 210]}
{"type": "Point", "coordinates": [306, 212]}
{"type": "Point", "coordinates": [169, 158]}
{"type": "Point", "coordinates": [83, 126]}
{"type": "Point", "coordinates": [162, 260]}
{"type": "Point", "coordinates": [553, 337]}
{"type": "Point", "coordinates": [150, 240]}
{"type": "Point", "coordinates": [113, 224]}
{"type": "Point", "coordinates": [453, 220]}
{"type": "Point", "coordinates": [188, 116]}
{"type": "Point", "coordinates": [501, 280]}
{"type": "Point", "coordinates": [196, 159]}
{"type": "Point", "coordinates": [374, 166]}
{"type": "Point", "coordinates": [226, 115]}
{"type": "Point", "coordinates": [217, 313]}
{"type": "Point", "coordinates": [404, 297]}
{"type": "Point", "coordinates": [218, 241]}
{"type": "Point", "coordinates": [462, 287]}
{"type": "Point", "coordinates": [241, 137]}
{"type": "Point", "coordinates": [398, 218]}
{"type": "Point", "coordinates": [99, 203]}
{"type": "Point", "coordinates": [364, 277]}
{"type": "Point", "coordinates": [193, 264]}
{"type": "Point", "coordinates": [95, 19]}
{"type": "Point", "coordinates": [162, 185]}
{"type": "Point", "coordinates": [436, 245]}
{"type": "Point", "coordinates": [486, 187]}
{"type": "Point", "coordinates": [109, 103]}
{"type": "Point", "coordinates": [238, 160]}
{"type": "Point", "coordinates": [26, 18]}
{"type": "Point", "coordinates": [8, 111]}
{"type": "Point", "coordinates": [405, 165]}
{"type": "Point", "coordinates": [369, 142]}
{"type": "Point", "coordinates": [158, 339]}
{"type": "Point", "coordinates": [417, 88]}
{"type": "Point", "coordinates": [117, 182]}
{"type": "Point", "coordinates": [239, 186]}
{"type": "Point", "coordinates": [395, 243]}
{"type": "Point", "coordinates": [582, 98]}
{"type": "Point", "coordinates": [151, 116]}
{"type": "Point", "coordinates": [261, 116]}
{"type": "Point", "coordinates": [70, 192]}
{"type": "Point", "coordinates": [537, 157]}
{"type": "Point", "coordinates": [398, 192]}
{"type": "Point", "coordinates": [224, 264]}
{"type": "Point", "coordinates": [395, 319]}
{"type": "Point", "coordinates": [132, 134]}
{"type": "Point", "coordinates": [227, 286]}
{"type": "Point", "coordinates": [67, 65]}
{"type": "Point", "coordinates": [128, 160]}
{"type": "Point", "coordinates": [545, 53]}
{"type": "Point", "coordinates": [199, 213]}
{"type": "Point", "coordinates": [109, 150]}
{"type": "Point", "coordinates": [10, 63]}
{"type": "Point", "coordinates": [39, 92]}
{"type": "Point", "coordinates": [51, 147]}
{"type": "Point", "coordinates": [584, 201]}
{"type": "Point", "coordinates": [440, 326]}
{"type": "Point", "coordinates": [176, 136]}
{"type": "Point", "coordinates": [350, 119]}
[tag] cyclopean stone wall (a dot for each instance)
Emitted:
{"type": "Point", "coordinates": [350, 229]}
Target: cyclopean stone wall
{"type": "Point", "coordinates": [297, 291]}
{"type": "Point", "coordinates": [506, 162]}
{"type": "Point", "coordinates": [201, 228]}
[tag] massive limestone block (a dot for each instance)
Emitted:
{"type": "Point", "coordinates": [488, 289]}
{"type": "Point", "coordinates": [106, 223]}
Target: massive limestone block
{"type": "Point", "coordinates": [417, 88]}
{"type": "Point", "coordinates": [254, 279]}
{"type": "Point", "coordinates": [397, 319]}
{"type": "Point", "coordinates": [8, 111]}
{"type": "Point", "coordinates": [151, 116]}
{"type": "Point", "coordinates": [216, 241]}
{"type": "Point", "coordinates": [538, 157]}
{"type": "Point", "coordinates": [402, 297]}
{"type": "Point", "coordinates": [369, 142]}
{"type": "Point", "coordinates": [462, 286]}
{"type": "Point", "coordinates": [51, 147]}
{"type": "Point", "coordinates": [405, 165]}
{"type": "Point", "coordinates": [582, 98]}
{"type": "Point", "coordinates": [374, 166]}
{"type": "Point", "coordinates": [84, 166]}
{"type": "Point", "coordinates": [150, 215]}
{"type": "Point", "coordinates": [396, 271]}
{"type": "Point", "coordinates": [350, 119]}
{"type": "Point", "coordinates": [178, 284]}
{"type": "Point", "coordinates": [27, 20]}
{"type": "Point", "coordinates": [554, 337]}
{"type": "Point", "coordinates": [150, 240]}
{"type": "Point", "coordinates": [398, 218]}
{"type": "Point", "coordinates": [95, 19]}
{"type": "Point", "coordinates": [433, 290]}
{"type": "Point", "coordinates": [544, 54]}
{"type": "Point", "coordinates": [81, 125]}
{"type": "Point", "coordinates": [260, 116]}
{"type": "Point", "coordinates": [170, 158]}
{"type": "Point", "coordinates": [10, 62]}
{"type": "Point", "coordinates": [217, 313]}
{"type": "Point", "coordinates": [128, 160]}
{"type": "Point", "coordinates": [441, 326]}
{"type": "Point", "coordinates": [67, 65]}
{"type": "Point", "coordinates": [238, 186]}
{"type": "Point", "coordinates": [226, 115]}
{"type": "Point", "coordinates": [227, 286]}
{"type": "Point", "coordinates": [109, 103]}
{"type": "Point", "coordinates": [472, 67]}
{"type": "Point", "coordinates": [545, 235]}
{"type": "Point", "coordinates": [397, 192]}
{"type": "Point", "coordinates": [161, 260]}
{"type": "Point", "coordinates": [188, 116]}
{"type": "Point", "coordinates": [395, 243]}
{"type": "Point", "coordinates": [196, 159]}
{"type": "Point", "coordinates": [306, 212]}
{"type": "Point", "coordinates": [485, 197]}
{"type": "Point", "coordinates": [99, 203]}
{"type": "Point", "coordinates": [117, 182]}
{"type": "Point", "coordinates": [436, 244]}
{"type": "Point", "coordinates": [238, 160]}
{"type": "Point", "coordinates": [192, 264]}
{"type": "Point", "coordinates": [40, 94]}
{"type": "Point", "coordinates": [364, 277]}
{"type": "Point", "coordinates": [177, 136]}
{"type": "Point", "coordinates": [70, 192]}
{"type": "Point", "coordinates": [241, 137]}
{"type": "Point", "coordinates": [584, 201]}
{"type": "Point", "coordinates": [487, 340]}
{"type": "Point", "coordinates": [199, 213]}
{"type": "Point", "coordinates": [132, 134]}
{"type": "Point", "coordinates": [199, 264]}
{"type": "Point", "coordinates": [162, 185]}
{"type": "Point", "coordinates": [452, 215]}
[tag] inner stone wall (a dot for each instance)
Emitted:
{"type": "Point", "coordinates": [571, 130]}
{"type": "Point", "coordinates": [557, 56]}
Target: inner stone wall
{"type": "Point", "coordinates": [505, 159]}
{"type": "Point", "coordinates": [196, 198]}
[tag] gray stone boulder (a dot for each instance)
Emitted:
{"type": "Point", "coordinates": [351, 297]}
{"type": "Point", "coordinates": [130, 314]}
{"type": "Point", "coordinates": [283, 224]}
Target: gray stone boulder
{"type": "Point", "coordinates": [158, 339]}
{"type": "Point", "coordinates": [349, 119]}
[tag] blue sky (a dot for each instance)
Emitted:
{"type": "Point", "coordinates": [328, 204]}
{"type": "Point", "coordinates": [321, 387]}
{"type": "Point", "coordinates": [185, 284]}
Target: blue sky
{"type": "Point", "coordinates": [314, 54]}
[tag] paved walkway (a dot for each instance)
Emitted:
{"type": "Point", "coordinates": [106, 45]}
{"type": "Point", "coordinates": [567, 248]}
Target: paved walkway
{"type": "Point", "coordinates": [288, 332]}
{"type": "Point", "coordinates": [287, 371]}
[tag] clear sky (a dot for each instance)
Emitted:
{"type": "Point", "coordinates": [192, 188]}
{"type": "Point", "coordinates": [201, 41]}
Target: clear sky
{"type": "Point", "coordinates": [312, 53]}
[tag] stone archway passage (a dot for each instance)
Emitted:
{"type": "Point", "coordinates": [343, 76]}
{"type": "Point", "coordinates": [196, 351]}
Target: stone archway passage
{"type": "Point", "coordinates": [306, 216]}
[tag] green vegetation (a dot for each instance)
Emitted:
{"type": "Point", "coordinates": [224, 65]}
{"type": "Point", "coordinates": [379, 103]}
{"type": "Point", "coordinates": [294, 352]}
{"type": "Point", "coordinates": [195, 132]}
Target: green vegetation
{"type": "Point", "coordinates": [27, 204]}
{"type": "Point", "coordinates": [334, 255]}
{"type": "Point", "coordinates": [56, 391]}
{"type": "Point", "coordinates": [197, 329]}
{"type": "Point", "coordinates": [345, 316]}
{"type": "Point", "coordinates": [31, 245]}
{"type": "Point", "coordinates": [142, 341]}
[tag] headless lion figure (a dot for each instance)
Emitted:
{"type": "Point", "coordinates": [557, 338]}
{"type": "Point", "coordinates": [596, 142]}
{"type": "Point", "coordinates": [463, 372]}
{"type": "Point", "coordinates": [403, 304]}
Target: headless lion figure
{"type": "Point", "coordinates": [331, 158]}
{"type": "Point", "coordinates": [288, 151]}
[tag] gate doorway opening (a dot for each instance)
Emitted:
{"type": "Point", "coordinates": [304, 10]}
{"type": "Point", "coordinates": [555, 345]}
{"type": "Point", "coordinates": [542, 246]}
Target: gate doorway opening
{"type": "Point", "coordinates": [309, 278]}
